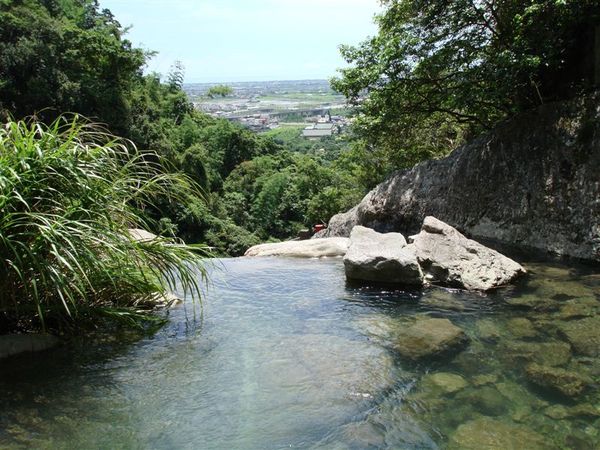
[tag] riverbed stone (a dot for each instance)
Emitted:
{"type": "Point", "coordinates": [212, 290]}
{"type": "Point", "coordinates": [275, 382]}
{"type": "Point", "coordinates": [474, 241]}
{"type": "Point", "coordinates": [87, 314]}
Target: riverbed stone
{"type": "Point", "coordinates": [310, 248]}
{"type": "Point", "coordinates": [520, 327]}
{"type": "Point", "coordinates": [560, 412]}
{"type": "Point", "coordinates": [450, 258]}
{"type": "Point", "coordinates": [487, 433]}
{"type": "Point", "coordinates": [583, 335]}
{"type": "Point", "coordinates": [533, 302]}
{"type": "Point", "coordinates": [486, 400]}
{"type": "Point", "coordinates": [568, 383]}
{"type": "Point", "coordinates": [445, 382]}
{"type": "Point", "coordinates": [488, 330]}
{"type": "Point", "coordinates": [552, 353]}
{"type": "Point", "coordinates": [576, 309]}
{"type": "Point", "coordinates": [444, 300]}
{"type": "Point", "coordinates": [381, 257]}
{"type": "Point", "coordinates": [430, 337]}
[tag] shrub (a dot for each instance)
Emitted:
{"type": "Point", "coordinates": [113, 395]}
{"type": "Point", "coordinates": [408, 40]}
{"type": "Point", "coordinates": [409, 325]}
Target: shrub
{"type": "Point", "coordinates": [69, 193]}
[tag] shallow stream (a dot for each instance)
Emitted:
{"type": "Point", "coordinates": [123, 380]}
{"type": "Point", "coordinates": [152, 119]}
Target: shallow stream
{"type": "Point", "coordinates": [286, 354]}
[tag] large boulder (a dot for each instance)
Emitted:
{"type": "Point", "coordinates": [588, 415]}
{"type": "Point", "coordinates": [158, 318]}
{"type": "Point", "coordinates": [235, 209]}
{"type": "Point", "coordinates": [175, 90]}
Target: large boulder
{"type": "Point", "coordinates": [311, 248]}
{"type": "Point", "coordinates": [430, 337]}
{"type": "Point", "coordinates": [533, 181]}
{"type": "Point", "coordinates": [450, 258]}
{"type": "Point", "coordinates": [374, 256]}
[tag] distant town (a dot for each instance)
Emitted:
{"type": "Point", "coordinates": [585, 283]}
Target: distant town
{"type": "Point", "coordinates": [265, 105]}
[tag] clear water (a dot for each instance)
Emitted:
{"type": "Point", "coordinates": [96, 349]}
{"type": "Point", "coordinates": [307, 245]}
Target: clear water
{"type": "Point", "coordinates": [286, 354]}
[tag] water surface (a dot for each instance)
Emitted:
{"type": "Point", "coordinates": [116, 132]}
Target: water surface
{"type": "Point", "coordinates": [286, 354]}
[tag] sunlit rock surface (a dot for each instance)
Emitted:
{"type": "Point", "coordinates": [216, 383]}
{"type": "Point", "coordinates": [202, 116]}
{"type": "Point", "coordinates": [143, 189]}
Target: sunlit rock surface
{"type": "Point", "coordinates": [311, 248]}
{"type": "Point", "coordinates": [381, 257]}
{"type": "Point", "coordinates": [450, 258]}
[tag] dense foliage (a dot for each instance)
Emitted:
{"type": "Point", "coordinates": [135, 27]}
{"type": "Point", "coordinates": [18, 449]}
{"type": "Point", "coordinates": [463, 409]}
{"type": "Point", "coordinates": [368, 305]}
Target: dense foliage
{"type": "Point", "coordinates": [69, 55]}
{"type": "Point", "coordinates": [438, 71]}
{"type": "Point", "coordinates": [69, 193]}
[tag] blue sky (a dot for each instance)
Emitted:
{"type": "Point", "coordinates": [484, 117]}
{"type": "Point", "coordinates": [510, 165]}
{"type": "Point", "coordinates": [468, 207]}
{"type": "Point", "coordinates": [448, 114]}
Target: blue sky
{"type": "Point", "coordinates": [251, 40]}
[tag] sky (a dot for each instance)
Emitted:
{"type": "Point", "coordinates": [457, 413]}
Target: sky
{"type": "Point", "coordinates": [246, 40]}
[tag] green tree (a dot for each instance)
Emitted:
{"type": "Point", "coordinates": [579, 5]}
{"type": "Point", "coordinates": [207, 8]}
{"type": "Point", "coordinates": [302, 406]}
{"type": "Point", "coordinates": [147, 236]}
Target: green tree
{"type": "Point", "coordinates": [438, 71]}
{"type": "Point", "coordinates": [68, 55]}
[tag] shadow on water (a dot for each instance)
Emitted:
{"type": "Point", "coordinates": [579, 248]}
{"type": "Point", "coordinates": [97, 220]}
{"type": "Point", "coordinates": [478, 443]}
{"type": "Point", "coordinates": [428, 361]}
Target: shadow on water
{"type": "Point", "coordinates": [291, 355]}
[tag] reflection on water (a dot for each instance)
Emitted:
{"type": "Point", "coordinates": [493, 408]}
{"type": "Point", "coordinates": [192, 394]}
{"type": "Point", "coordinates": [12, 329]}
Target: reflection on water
{"type": "Point", "coordinates": [289, 356]}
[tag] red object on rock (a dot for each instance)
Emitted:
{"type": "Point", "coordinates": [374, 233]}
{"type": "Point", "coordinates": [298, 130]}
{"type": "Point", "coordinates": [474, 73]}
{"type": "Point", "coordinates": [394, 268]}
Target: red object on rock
{"type": "Point", "coordinates": [319, 227]}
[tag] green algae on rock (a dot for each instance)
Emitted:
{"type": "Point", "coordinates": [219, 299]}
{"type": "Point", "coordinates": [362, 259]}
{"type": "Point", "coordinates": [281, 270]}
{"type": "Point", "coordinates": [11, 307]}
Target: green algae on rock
{"type": "Point", "coordinates": [430, 337]}
{"type": "Point", "coordinates": [568, 383]}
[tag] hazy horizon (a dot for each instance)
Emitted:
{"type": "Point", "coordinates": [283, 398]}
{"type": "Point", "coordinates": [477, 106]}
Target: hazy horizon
{"type": "Point", "coordinates": [226, 41]}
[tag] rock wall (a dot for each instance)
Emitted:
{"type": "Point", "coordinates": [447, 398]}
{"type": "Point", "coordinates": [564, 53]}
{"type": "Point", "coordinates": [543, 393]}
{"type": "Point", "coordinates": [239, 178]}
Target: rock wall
{"type": "Point", "coordinates": [533, 181]}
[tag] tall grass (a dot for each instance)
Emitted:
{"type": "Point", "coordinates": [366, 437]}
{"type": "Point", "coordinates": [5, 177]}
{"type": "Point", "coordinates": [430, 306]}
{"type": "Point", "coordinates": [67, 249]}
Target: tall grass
{"type": "Point", "coordinates": [69, 192]}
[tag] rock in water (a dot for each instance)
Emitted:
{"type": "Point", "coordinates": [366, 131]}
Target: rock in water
{"type": "Point", "coordinates": [583, 335]}
{"type": "Point", "coordinates": [311, 248]}
{"type": "Point", "coordinates": [381, 257]}
{"type": "Point", "coordinates": [430, 337]}
{"type": "Point", "coordinates": [486, 433]}
{"type": "Point", "coordinates": [559, 380]}
{"type": "Point", "coordinates": [450, 258]}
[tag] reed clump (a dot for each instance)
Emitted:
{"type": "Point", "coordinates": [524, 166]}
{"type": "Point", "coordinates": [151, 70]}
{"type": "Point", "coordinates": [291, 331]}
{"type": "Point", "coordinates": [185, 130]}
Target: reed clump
{"type": "Point", "coordinates": [69, 194]}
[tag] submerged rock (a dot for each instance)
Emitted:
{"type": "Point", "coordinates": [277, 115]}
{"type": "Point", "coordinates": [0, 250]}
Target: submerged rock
{"type": "Point", "coordinates": [485, 400]}
{"type": "Point", "coordinates": [487, 433]}
{"type": "Point", "coordinates": [533, 302]}
{"type": "Point", "coordinates": [430, 337]}
{"type": "Point", "coordinates": [446, 382]}
{"type": "Point", "coordinates": [552, 353]}
{"type": "Point", "coordinates": [583, 335]}
{"type": "Point", "coordinates": [488, 330]}
{"type": "Point", "coordinates": [520, 327]}
{"type": "Point", "coordinates": [381, 257]}
{"type": "Point", "coordinates": [311, 248]}
{"type": "Point", "coordinates": [450, 258]}
{"type": "Point", "coordinates": [576, 309]}
{"type": "Point", "coordinates": [570, 384]}
{"type": "Point", "coordinates": [560, 412]}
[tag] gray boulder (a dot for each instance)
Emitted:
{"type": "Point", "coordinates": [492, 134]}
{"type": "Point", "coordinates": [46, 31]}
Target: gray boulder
{"type": "Point", "coordinates": [533, 181]}
{"type": "Point", "coordinates": [448, 257]}
{"type": "Point", "coordinates": [374, 256]}
{"type": "Point", "coordinates": [311, 248]}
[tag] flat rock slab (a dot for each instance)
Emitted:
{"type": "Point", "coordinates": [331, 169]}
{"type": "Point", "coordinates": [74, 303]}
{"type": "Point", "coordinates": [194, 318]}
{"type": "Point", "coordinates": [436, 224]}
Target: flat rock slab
{"type": "Point", "coordinates": [450, 258]}
{"type": "Point", "coordinates": [487, 433]}
{"type": "Point", "coordinates": [379, 257]}
{"type": "Point", "coordinates": [430, 337]}
{"type": "Point", "coordinates": [570, 384]}
{"type": "Point", "coordinates": [310, 248]}
{"type": "Point", "coordinates": [13, 344]}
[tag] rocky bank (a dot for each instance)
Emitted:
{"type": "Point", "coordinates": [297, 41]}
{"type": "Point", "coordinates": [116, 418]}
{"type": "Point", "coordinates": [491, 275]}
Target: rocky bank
{"type": "Point", "coordinates": [534, 181]}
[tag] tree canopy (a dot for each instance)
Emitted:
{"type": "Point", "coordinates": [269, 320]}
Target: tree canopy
{"type": "Point", "coordinates": [438, 71]}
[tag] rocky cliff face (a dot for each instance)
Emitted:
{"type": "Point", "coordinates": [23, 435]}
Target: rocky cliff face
{"type": "Point", "coordinates": [534, 181]}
